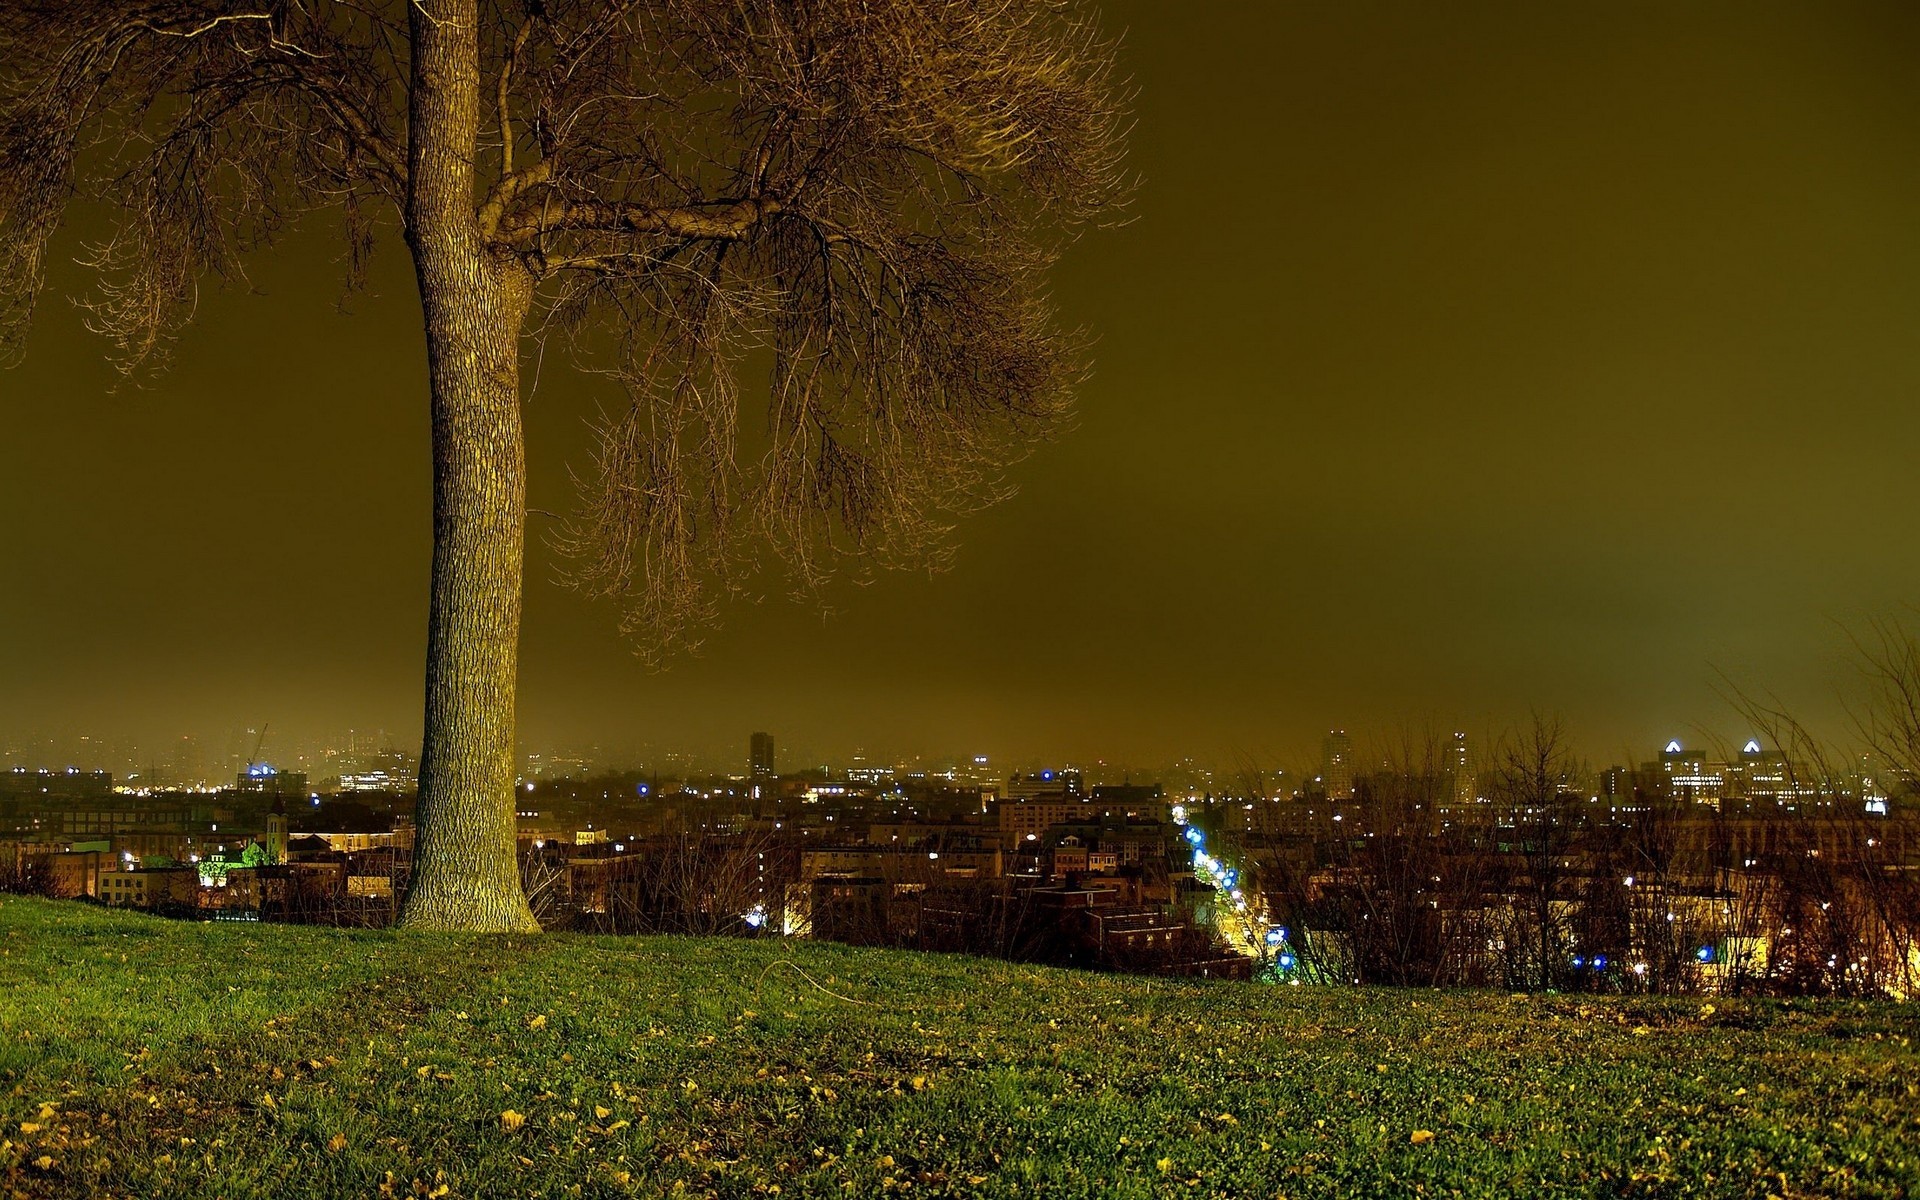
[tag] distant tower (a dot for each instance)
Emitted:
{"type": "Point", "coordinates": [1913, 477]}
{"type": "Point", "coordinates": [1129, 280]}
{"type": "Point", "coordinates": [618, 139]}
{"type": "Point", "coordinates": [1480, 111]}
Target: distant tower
{"type": "Point", "coordinates": [277, 833]}
{"type": "Point", "coordinates": [1460, 762]}
{"type": "Point", "coordinates": [760, 755]}
{"type": "Point", "coordinates": [1336, 765]}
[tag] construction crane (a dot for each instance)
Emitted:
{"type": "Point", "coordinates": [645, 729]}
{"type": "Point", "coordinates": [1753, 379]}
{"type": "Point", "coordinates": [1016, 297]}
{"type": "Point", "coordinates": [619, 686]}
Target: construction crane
{"type": "Point", "coordinates": [254, 760]}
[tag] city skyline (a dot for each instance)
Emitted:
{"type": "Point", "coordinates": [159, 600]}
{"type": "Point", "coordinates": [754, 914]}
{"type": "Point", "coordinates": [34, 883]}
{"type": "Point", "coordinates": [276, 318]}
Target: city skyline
{"type": "Point", "coordinates": [1342, 757]}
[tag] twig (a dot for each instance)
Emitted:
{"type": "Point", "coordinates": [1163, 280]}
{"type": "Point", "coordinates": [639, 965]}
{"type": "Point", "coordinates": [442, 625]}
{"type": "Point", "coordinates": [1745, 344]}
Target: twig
{"type": "Point", "coordinates": [787, 962]}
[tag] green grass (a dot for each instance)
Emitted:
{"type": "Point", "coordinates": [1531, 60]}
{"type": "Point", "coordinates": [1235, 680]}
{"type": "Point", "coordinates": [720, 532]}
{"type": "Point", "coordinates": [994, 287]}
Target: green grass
{"type": "Point", "coordinates": [141, 1057]}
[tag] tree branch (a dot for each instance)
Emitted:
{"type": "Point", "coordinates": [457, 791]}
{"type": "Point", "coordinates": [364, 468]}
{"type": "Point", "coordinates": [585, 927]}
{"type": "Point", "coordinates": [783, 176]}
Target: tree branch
{"type": "Point", "coordinates": [506, 115]}
{"type": "Point", "coordinates": [719, 221]}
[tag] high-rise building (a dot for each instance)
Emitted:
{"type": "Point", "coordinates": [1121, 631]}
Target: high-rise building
{"type": "Point", "coordinates": [760, 755]}
{"type": "Point", "coordinates": [1336, 765]}
{"type": "Point", "coordinates": [1691, 776]}
{"type": "Point", "coordinates": [1460, 763]}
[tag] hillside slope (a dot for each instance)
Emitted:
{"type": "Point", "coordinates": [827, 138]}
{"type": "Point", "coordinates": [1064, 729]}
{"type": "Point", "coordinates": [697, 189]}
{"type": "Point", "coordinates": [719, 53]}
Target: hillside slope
{"type": "Point", "coordinates": [149, 1058]}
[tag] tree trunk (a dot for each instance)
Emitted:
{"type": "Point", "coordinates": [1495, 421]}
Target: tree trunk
{"type": "Point", "coordinates": [466, 875]}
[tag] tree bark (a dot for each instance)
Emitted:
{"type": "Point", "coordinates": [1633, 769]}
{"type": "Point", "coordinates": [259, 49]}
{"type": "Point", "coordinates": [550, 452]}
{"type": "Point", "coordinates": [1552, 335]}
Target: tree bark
{"type": "Point", "coordinates": [466, 875]}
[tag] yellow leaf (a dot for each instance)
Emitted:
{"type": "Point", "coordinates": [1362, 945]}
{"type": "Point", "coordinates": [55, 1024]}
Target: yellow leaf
{"type": "Point", "coordinates": [623, 1178]}
{"type": "Point", "coordinates": [30, 1127]}
{"type": "Point", "coordinates": [511, 1120]}
{"type": "Point", "coordinates": [919, 1083]}
{"type": "Point", "coordinates": [337, 1143]}
{"type": "Point", "coordinates": [601, 1113]}
{"type": "Point", "coordinates": [438, 1192]}
{"type": "Point", "coordinates": [1421, 1137]}
{"type": "Point", "coordinates": [1165, 1165]}
{"type": "Point", "coordinates": [44, 1162]}
{"type": "Point", "coordinates": [423, 1072]}
{"type": "Point", "coordinates": [539, 1022]}
{"type": "Point", "coordinates": [886, 1160]}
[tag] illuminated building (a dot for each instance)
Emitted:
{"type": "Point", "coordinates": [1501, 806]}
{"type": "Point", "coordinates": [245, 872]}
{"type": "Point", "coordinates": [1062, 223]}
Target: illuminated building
{"type": "Point", "coordinates": [1049, 785]}
{"type": "Point", "coordinates": [1689, 776]}
{"type": "Point", "coordinates": [1460, 764]}
{"type": "Point", "coordinates": [267, 781]}
{"type": "Point", "coordinates": [1336, 765]}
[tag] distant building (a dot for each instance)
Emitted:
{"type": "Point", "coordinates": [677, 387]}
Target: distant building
{"type": "Point", "coordinates": [387, 770]}
{"type": "Point", "coordinates": [1460, 765]}
{"type": "Point", "coordinates": [1067, 784]}
{"type": "Point", "coordinates": [70, 784]}
{"type": "Point", "coordinates": [265, 780]}
{"type": "Point", "coordinates": [1336, 765]}
{"type": "Point", "coordinates": [760, 755]}
{"type": "Point", "coordinates": [149, 887]}
{"type": "Point", "coordinates": [1691, 777]}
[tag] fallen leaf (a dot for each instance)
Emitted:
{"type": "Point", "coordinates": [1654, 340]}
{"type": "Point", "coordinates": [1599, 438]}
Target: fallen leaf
{"type": "Point", "coordinates": [337, 1143]}
{"type": "Point", "coordinates": [1421, 1137]}
{"type": "Point", "coordinates": [539, 1022]}
{"type": "Point", "coordinates": [601, 1113]}
{"type": "Point", "coordinates": [511, 1120]}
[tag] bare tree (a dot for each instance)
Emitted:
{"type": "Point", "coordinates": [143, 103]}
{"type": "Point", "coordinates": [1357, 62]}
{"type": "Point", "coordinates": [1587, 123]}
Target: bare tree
{"type": "Point", "coordinates": [1530, 780]}
{"type": "Point", "coordinates": [863, 195]}
{"type": "Point", "coordinates": [28, 873]}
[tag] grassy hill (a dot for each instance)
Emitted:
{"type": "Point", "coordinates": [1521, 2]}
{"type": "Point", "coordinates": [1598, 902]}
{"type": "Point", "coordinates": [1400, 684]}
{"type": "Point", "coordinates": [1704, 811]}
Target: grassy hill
{"type": "Point", "coordinates": [141, 1057]}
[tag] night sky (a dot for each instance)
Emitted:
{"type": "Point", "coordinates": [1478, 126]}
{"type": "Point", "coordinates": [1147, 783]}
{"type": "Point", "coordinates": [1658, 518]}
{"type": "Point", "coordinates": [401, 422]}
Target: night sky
{"type": "Point", "coordinates": [1460, 361]}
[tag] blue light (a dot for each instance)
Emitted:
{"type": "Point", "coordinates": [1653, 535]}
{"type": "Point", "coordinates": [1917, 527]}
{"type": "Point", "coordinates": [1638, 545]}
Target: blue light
{"type": "Point", "coordinates": [1579, 962]}
{"type": "Point", "coordinates": [1276, 936]}
{"type": "Point", "coordinates": [1704, 954]}
{"type": "Point", "coordinates": [642, 789]}
{"type": "Point", "coordinates": [1193, 835]}
{"type": "Point", "coordinates": [1286, 962]}
{"type": "Point", "coordinates": [1599, 962]}
{"type": "Point", "coordinates": [1046, 774]}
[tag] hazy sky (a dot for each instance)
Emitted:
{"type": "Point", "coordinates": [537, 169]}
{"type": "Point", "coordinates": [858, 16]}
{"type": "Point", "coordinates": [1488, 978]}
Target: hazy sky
{"type": "Point", "coordinates": [1461, 360]}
